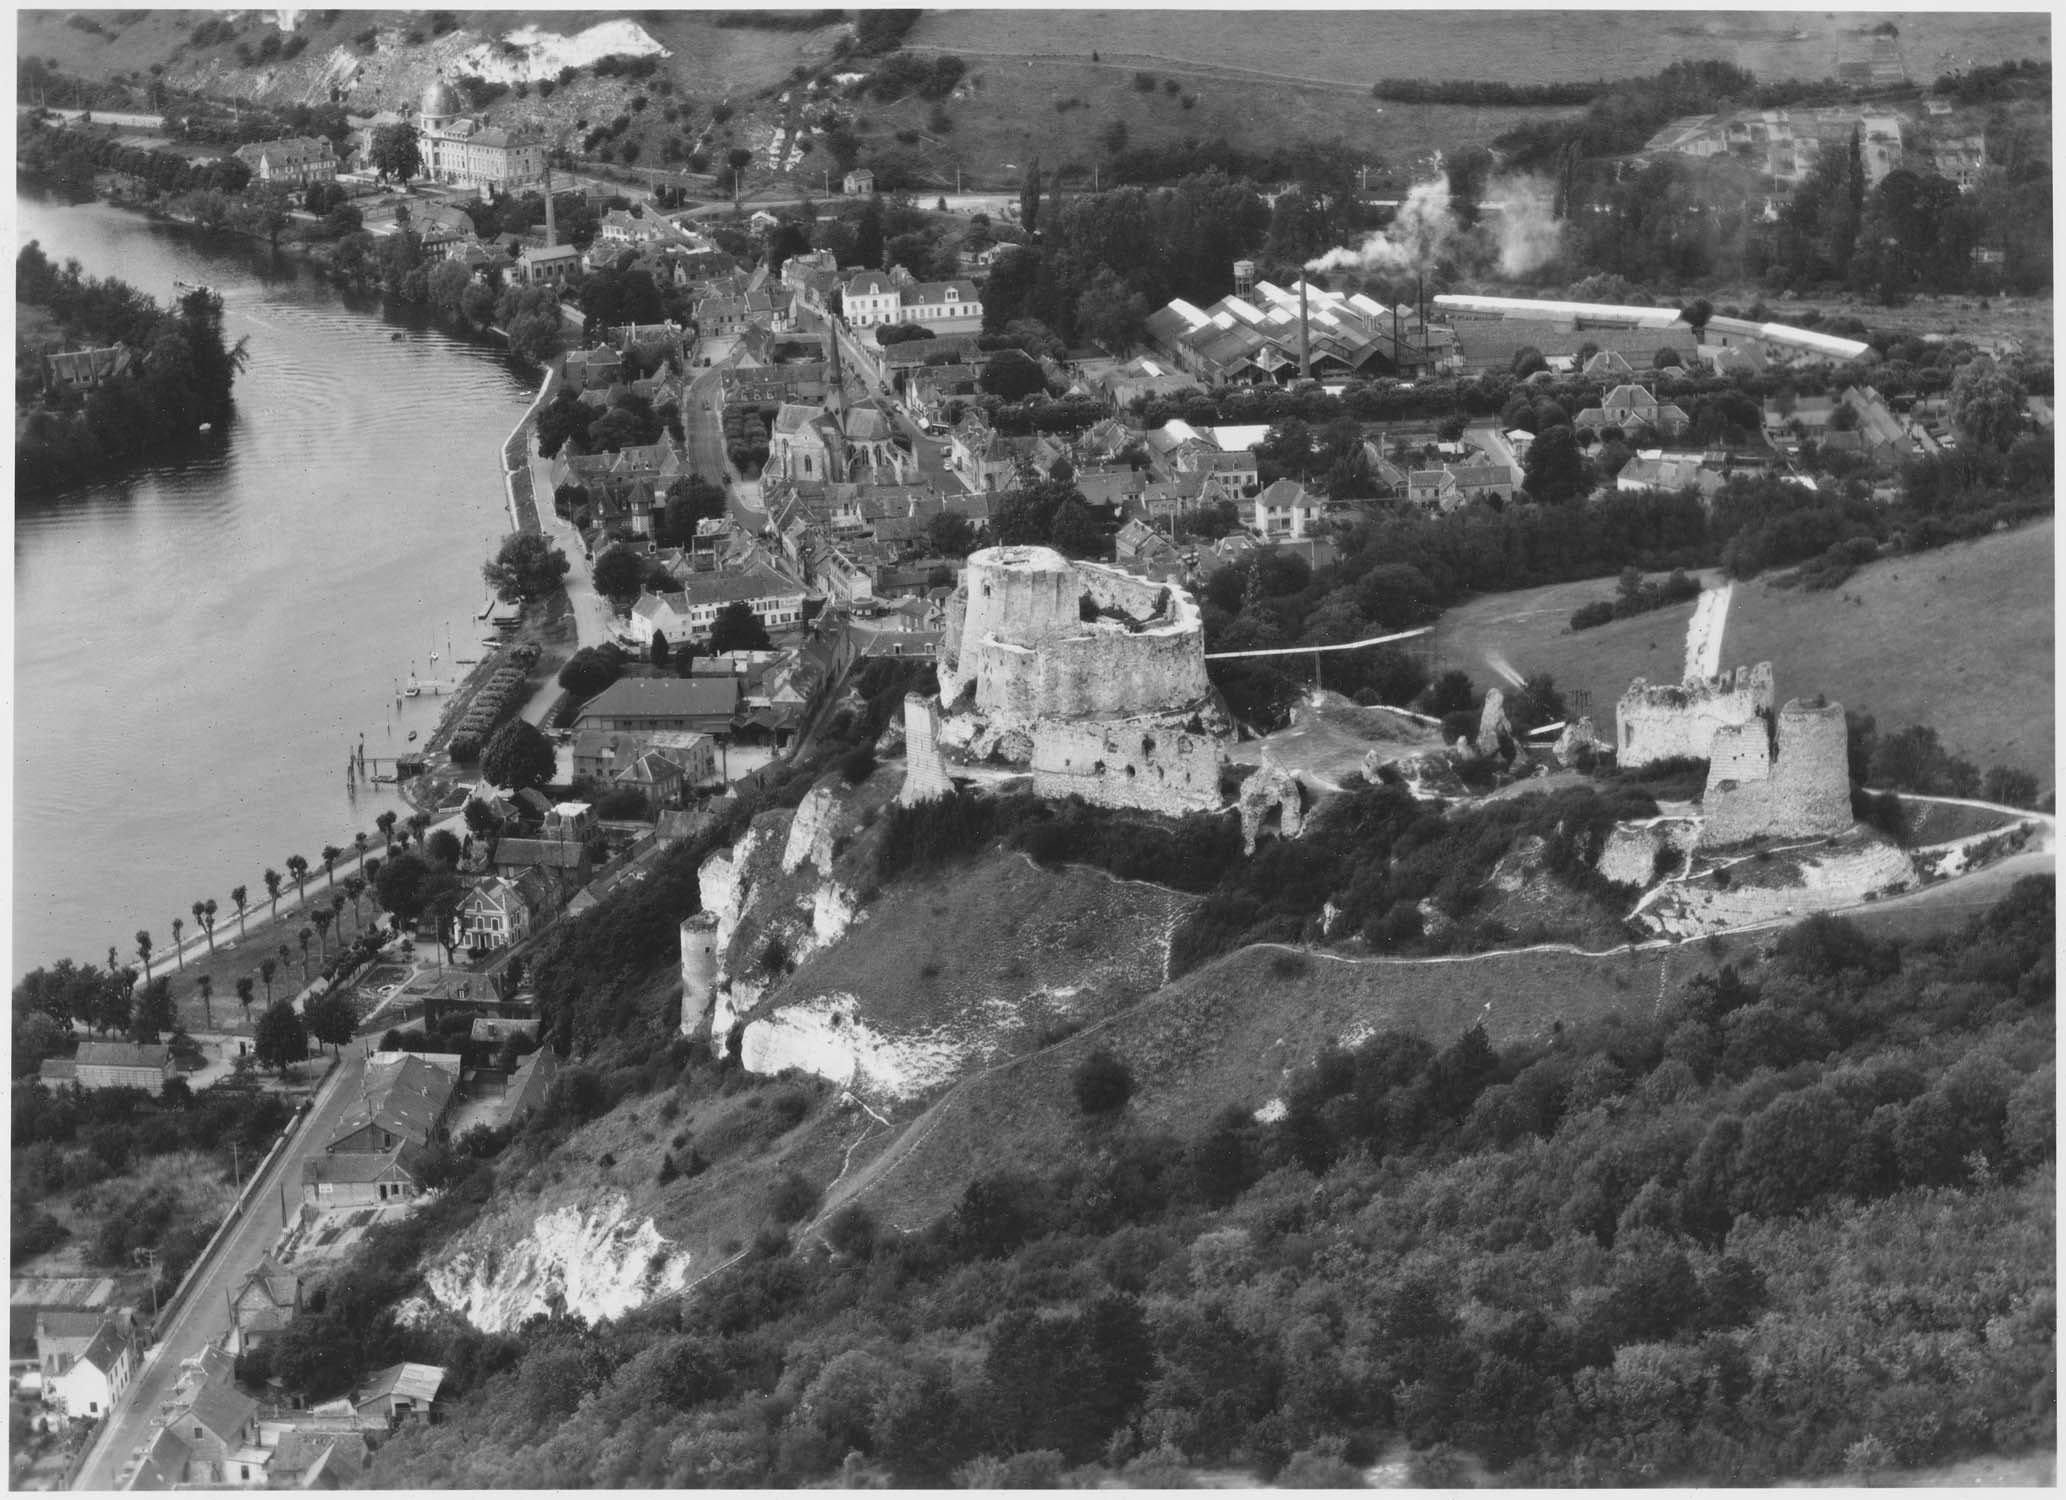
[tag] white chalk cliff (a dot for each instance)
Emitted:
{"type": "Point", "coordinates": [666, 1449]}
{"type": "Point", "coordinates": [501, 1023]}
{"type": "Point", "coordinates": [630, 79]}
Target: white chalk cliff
{"type": "Point", "coordinates": [598, 1264]}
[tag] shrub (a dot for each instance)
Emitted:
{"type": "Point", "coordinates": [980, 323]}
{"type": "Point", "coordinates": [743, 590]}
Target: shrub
{"type": "Point", "coordinates": [1102, 1083]}
{"type": "Point", "coordinates": [1586, 616]}
{"type": "Point", "coordinates": [858, 764]}
{"type": "Point", "coordinates": [792, 1198]}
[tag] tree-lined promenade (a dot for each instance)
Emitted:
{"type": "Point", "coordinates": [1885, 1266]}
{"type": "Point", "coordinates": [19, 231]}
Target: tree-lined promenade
{"type": "Point", "coordinates": [229, 960]}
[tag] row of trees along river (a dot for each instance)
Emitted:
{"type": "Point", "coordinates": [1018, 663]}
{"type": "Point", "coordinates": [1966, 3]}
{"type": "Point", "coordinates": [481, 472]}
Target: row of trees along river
{"type": "Point", "coordinates": [201, 637]}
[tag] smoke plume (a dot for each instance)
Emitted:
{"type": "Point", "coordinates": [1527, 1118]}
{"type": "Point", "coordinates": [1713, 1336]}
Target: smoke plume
{"type": "Point", "coordinates": [1526, 230]}
{"type": "Point", "coordinates": [1517, 230]}
{"type": "Point", "coordinates": [1421, 234]}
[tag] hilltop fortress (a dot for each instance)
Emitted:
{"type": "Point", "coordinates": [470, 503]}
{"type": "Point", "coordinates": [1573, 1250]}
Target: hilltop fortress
{"type": "Point", "coordinates": [1091, 677]}
{"type": "Point", "coordinates": [1680, 720]}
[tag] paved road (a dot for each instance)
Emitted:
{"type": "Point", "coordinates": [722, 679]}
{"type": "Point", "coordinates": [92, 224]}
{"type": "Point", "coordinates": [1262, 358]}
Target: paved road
{"type": "Point", "coordinates": [205, 1316]}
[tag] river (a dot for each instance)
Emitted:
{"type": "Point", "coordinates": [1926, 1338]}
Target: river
{"type": "Point", "coordinates": [199, 641]}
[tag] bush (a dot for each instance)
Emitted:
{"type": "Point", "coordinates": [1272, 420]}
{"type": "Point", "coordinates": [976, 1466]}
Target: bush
{"type": "Point", "coordinates": [1586, 616]}
{"type": "Point", "coordinates": [858, 764]}
{"type": "Point", "coordinates": [791, 1199]}
{"type": "Point", "coordinates": [1102, 1083]}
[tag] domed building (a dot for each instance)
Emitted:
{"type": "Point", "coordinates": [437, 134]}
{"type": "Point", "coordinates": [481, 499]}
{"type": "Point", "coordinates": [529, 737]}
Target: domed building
{"type": "Point", "coordinates": [466, 153]}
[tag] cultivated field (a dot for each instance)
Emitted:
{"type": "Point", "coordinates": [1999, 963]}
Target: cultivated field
{"type": "Point", "coordinates": [1959, 639]}
{"type": "Point", "coordinates": [1361, 47]}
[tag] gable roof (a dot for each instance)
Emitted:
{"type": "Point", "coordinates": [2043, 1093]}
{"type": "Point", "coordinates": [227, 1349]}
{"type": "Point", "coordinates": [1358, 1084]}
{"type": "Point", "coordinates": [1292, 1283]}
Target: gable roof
{"type": "Point", "coordinates": [105, 1352]}
{"type": "Point", "coordinates": [123, 1055]}
{"type": "Point", "coordinates": [551, 854]}
{"type": "Point", "coordinates": [222, 1410]}
{"type": "Point", "coordinates": [664, 698]}
{"type": "Point", "coordinates": [358, 1167]}
{"type": "Point", "coordinates": [405, 1099]}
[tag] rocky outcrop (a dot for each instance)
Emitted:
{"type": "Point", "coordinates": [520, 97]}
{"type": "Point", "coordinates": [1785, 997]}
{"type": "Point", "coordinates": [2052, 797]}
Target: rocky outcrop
{"type": "Point", "coordinates": [811, 831]}
{"type": "Point", "coordinates": [1578, 745]}
{"type": "Point", "coordinates": [1495, 734]}
{"type": "Point", "coordinates": [827, 1036]}
{"type": "Point", "coordinates": [591, 1265]}
{"type": "Point", "coordinates": [1678, 721]}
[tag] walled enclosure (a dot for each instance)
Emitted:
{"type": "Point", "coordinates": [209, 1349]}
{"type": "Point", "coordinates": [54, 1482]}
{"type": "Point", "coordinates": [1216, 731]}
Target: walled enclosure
{"type": "Point", "coordinates": [1017, 640]}
{"type": "Point", "coordinates": [1095, 677]}
{"type": "Point", "coordinates": [1674, 721]}
{"type": "Point", "coordinates": [1800, 788]}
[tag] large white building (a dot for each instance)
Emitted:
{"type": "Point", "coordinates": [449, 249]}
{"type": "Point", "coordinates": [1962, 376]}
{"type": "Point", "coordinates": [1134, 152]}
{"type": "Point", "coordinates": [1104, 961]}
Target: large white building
{"type": "Point", "coordinates": [464, 152]}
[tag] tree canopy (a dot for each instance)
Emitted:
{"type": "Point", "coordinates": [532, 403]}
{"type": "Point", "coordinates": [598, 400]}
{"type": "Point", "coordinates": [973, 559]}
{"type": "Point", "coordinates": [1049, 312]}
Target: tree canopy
{"type": "Point", "coordinates": [738, 628]}
{"type": "Point", "coordinates": [281, 1038]}
{"type": "Point", "coordinates": [527, 567]}
{"type": "Point", "coordinates": [518, 755]}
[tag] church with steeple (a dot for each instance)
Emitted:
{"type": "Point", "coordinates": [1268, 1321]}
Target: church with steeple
{"type": "Point", "coordinates": [835, 443]}
{"type": "Point", "coordinates": [466, 153]}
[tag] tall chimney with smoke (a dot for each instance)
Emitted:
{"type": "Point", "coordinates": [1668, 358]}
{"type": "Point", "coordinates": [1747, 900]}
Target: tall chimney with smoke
{"type": "Point", "coordinates": [1305, 342]}
{"type": "Point", "coordinates": [551, 231]}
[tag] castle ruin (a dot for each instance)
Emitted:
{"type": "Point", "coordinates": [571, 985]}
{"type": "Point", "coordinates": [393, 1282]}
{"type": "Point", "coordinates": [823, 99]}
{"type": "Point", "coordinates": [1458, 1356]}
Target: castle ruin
{"type": "Point", "coordinates": [1680, 721]}
{"type": "Point", "coordinates": [1093, 678]}
{"type": "Point", "coordinates": [698, 972]}
{"type": "Point", "coordinates": [1798, 787]}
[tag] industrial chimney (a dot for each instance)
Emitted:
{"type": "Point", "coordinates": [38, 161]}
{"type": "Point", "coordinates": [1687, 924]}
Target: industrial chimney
{"type": "Point", "coordinates": [1305, 342]}
{"type": "Point", "coordinates": [551, 232]}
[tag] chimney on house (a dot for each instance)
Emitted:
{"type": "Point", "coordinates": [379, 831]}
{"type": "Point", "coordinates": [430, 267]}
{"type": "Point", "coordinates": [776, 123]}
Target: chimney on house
{"type": "Point", "coordinates": [1305, 342]}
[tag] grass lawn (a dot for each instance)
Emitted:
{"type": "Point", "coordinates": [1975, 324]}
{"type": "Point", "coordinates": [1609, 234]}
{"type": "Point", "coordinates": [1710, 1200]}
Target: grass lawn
{"type": "Point", "coordinates": [1959, 639]}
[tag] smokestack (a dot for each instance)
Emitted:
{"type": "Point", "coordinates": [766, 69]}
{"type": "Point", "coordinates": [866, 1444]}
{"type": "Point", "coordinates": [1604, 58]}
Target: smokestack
{"type": "Point", "coordinates": [1305, 343]}
{"type": "Point", "coordinates": [551, 231]}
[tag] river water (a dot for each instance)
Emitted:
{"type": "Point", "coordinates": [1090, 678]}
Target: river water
{"type": "Point", "coordinates": [200, 641]}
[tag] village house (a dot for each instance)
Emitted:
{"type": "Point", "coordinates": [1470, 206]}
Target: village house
{"type": "Point", "coordinates": [858, 183]}
{"type": "Point", "coordinates": [1632, 406]}
{"type": "Point", "coordinates": [63, 1334]}
{"type": "Point", "coordinates": [88, 1387]}
{"type": "Point", "coordinates": [402, 1103]}
{"type": "Point", "coordinates": [562, 866]}
{"type": "Point", "coordinates": [499, 913]}
{"type": "Point", "coordinates": [399, 1392]}
{"type": "Point", "coordinates": [219, 1427]}
{"type": "Point", "coordinates": [87, 369]}
{"type": "Point", "coordinates": [704, 705]}
{"type": "Point", "coordinates": [122, 1065]}
{"type": "Point", "coordinates": [1656, 472]}
{"type": "Point", "coordinates": [295, 161]}
{"type": "Point", "coordinates": [1283, 509]}
{"type": "Point", "coordinates": [263, 1306]}
{"type": "Point", "coordinates": [548, 265]}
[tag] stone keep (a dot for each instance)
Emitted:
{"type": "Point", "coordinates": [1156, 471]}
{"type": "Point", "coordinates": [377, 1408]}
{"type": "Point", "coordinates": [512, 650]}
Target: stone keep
{"type": "Point", "coordinates": [698, 971]}
{"type": "Point", "coordinates": [1799, 789]}
{"type": "Point", "coordinates": [1017, 648]}
{"type": "Point", "coordinates": [1679, 721]}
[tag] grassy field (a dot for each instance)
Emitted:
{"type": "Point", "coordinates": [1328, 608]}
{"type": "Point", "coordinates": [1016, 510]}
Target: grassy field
{"type": "Point", "coordinates": [1057, 109]}
{"type": "Point", "coordinates": [2026, 319]}
{"type": "Point", "coordinates": [1529, 630]}
{"type": "Point", "coordinates": [1959, 639]}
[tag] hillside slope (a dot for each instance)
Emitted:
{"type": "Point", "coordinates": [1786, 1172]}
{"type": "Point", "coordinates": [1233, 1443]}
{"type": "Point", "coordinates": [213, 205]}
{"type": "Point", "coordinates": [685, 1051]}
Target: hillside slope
{"type": "Point", "coordinates": [1960, 639]}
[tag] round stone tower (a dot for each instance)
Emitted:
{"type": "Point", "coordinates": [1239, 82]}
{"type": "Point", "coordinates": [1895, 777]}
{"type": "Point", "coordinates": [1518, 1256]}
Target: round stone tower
{"type": "Point", "coordinates": [698, 971]}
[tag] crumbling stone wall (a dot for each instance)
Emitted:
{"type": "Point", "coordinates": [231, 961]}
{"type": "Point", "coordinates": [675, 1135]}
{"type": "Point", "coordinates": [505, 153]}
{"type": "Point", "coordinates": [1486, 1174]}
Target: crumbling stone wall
{"type": "Point", "coordinates": [1630, 852]}
{"type": "Point", "coordinates": [1140, 764]}
{"type": "Point", "coordinates": [925, 769]}
{"type": "Point", "coordinates": [1680, 720]}
{"type": "Point", "coordinates": [1805, 788]}
{"type": "Point", "coordinates": [1271, 789]}
{"type": "Point", "coordinates": [698, 971]}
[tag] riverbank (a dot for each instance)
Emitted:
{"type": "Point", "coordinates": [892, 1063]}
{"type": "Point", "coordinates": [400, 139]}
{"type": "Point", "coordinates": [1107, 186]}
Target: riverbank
{"type": "Point", "coordinates": [216, 549]}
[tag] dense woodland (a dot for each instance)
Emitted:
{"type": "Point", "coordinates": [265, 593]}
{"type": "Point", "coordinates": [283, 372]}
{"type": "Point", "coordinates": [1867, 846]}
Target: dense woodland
{"type": "Point", "coordinates": [180, 379]}
{"type": "Point", "coordinates": [1732, 1242]}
